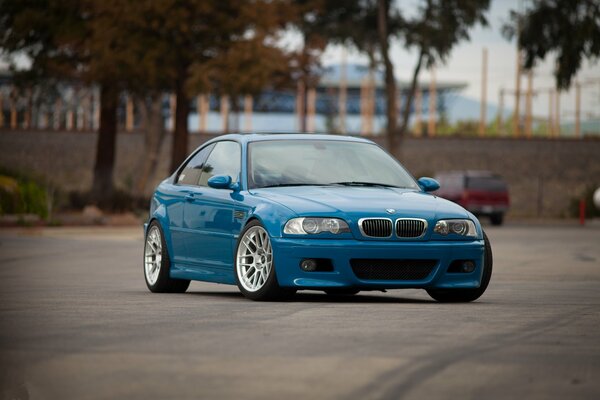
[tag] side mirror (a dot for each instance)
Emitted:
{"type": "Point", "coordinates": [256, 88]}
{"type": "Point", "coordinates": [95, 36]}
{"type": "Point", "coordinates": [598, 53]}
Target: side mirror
{"type": "Point", "coordinates": [221, 182]}
{"type": "Point", "coordinates": [428, 184]}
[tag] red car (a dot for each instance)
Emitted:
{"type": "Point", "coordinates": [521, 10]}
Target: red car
{"type": "Point", "coordinates": [483, 193]}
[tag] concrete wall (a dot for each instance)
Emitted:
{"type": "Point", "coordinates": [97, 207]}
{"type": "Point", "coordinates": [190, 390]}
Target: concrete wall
{"type": "Point", "coordinates": [543, 175]}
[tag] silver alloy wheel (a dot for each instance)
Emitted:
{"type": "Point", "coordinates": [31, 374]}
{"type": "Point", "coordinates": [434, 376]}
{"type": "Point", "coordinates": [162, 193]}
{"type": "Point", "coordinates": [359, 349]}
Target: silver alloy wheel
{"type": "Point", "coordinates": [153, 255]}
{"type": "Point", "coordinates": [254, 260]}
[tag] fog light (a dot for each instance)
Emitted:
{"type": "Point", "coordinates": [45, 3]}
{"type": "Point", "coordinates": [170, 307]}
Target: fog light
{"type": "Point", "coordinates": [308, 265]}
{"type": "Point", "coordinates": [468, 266]}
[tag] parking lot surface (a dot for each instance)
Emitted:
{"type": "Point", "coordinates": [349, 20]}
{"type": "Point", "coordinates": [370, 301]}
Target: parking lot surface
{"type": "Point", "coordinates": [78, 322]}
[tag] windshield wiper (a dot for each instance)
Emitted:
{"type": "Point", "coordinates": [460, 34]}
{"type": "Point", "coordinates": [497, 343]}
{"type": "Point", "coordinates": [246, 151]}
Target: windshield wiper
{"type": "Point", "coordinates": [358, 183]}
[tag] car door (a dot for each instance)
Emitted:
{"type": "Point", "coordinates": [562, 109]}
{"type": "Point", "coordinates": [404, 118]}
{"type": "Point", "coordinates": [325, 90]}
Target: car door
{"type": "Point", "coordinates": [208, 215]}
{"type": "Point", "coordinates": [184, 183]}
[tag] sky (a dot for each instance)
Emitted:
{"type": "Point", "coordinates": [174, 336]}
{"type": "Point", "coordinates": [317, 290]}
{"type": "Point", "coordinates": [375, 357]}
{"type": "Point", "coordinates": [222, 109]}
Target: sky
{"type": "Point", "coordinates": [464, 65]}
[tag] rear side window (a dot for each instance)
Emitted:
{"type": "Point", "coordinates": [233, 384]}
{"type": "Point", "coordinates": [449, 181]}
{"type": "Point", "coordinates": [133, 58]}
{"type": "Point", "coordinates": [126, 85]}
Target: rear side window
{"type": "Point", "coordinates": [190, 174]}
{"type": "Point", "coordinates": [225, 159]}
{"type": "Point", "coordinates": [488, 183]}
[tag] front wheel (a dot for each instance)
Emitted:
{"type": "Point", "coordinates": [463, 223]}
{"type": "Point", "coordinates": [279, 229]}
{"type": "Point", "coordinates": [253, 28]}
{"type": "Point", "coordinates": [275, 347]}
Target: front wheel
{"type": "Point", "coordinates": [157, 265]}
{"type": "Point", "coordinates": [254, 267]}
{"type": "Point", "coordinates": [467, 295]}
{"type": "Point", "coordinates": [497, 219]}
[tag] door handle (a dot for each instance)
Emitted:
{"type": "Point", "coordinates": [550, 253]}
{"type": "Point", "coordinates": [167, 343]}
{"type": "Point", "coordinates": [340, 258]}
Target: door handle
{"type": "Point", "coordinates": [189, 197]}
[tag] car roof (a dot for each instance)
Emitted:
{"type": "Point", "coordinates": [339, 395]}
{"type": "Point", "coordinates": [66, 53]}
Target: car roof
{"type": "Point", "coordinates": [264, 136]}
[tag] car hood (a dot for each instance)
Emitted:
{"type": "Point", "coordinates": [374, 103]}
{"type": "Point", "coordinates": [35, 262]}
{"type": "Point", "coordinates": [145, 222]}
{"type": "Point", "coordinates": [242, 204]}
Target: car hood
{"type": "Point", "coordinates": [360, 202]}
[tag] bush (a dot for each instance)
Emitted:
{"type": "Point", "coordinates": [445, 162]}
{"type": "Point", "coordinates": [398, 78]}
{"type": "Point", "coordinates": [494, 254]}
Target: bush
{"type": "Point", "coordinates": [19, 195]}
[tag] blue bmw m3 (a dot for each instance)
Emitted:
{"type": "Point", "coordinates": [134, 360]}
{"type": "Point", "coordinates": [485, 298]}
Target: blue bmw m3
{"type": "Point", "coordinates": [277, 213]}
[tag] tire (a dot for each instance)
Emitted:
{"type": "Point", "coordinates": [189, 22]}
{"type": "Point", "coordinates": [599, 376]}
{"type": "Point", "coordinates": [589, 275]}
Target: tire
{"type": "Point", "coordinates": [156, 255]}
{"type": "Point", "coordinates": [467, 295]}
{"type": "Point", "coordinates": [342, 292]}
{"type": "Point", "coordinates": [254, 265]}
{"type": "Point", "coordinates": [497, 219]}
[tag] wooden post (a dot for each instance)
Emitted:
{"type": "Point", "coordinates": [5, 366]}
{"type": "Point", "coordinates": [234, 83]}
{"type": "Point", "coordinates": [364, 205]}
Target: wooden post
{"type": "Point", "coordinates": [372, 90]}
{"type": "Point", "coordinates": [248, 104]}
{"type": "Point", "coordinates": [517, 113]}
{"type": "Point", "coordinates": [363, 107]}
{"type": "Point", "coordinates": [557, 113]}
{"type": "Point", "coordinates": [300, 106]}
{"type": "Point", "coordinates": [57, 114]}
{"type": "Point", "coordinates": [551, 113]}
{"type": "Point", "coordinates": [129, 114]}
{"type": "Point", "coordinates": [70, 119]}
{"type": "Point", "coordinates": [483, 105]}
{"type": "Point", "coordinates": [432, 104]}
{"type": "Point", "coordinates": [13, 110]}
{"type": "Point", "coordinates": [529, 105]}
{"type": "Point", "coordinates": [311, 100]}
{"type": "Point", "coordinates": [202, 105]}
{"type": "Point", "coordinates": [500, 117]}
{"type": "Point", "coordinates": [343, 93]}
{"type": "Point", "coordinates": [225, 113]}
{"type": "Point", "coordinates": [28, 109]}
{"type": "Point", "coordinates": [44, 118]}
{"type": "Point", "coordinates": [96, 107]}
{"type": "Point", "coordinates": [172, 106]}
{"type": "Point", "coordinates": [87, 111]}
{"type": "Point", "coordinates": [418, 111]}
{"type": "Point", "coordinates": [577, 109]}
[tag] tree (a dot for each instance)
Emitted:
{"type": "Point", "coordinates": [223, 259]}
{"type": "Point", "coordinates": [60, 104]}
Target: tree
{"type": "Point", "coordinates": [373, 25]}
{"type": "Point", "coordinates": [59, 39]}
{"type": "Point", "coordinates": [253, 62]}
{"type": "Point", "coordinates": [438, 27]}
{"type": "Point", "coordinates": [571, 28]}
{"type": "Point", "coordinates": [192, 33]}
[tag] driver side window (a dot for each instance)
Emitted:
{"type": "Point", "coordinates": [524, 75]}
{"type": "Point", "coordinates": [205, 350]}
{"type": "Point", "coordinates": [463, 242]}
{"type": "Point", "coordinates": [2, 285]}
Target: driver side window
{"type": "Point", "coordinates": [190, 174]}
{"type": "Point", "coordinates": [225, 159]}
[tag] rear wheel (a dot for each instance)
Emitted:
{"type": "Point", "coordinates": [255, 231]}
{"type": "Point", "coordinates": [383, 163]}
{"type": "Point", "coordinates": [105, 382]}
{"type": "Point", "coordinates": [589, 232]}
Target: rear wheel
{"type": "Point", "coordinates": [466, 295]}
{"type": "Point", "coordinates": [157, 265]}
{"type": "Point", "coordinates": [254, 267]}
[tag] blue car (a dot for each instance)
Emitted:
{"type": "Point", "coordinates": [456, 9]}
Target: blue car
{"type": "Point", "coordinates": [277, 213]}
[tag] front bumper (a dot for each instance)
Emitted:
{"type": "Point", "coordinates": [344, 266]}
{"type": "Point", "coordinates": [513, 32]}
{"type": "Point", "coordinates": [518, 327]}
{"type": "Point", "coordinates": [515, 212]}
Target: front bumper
{"type": "Point", "coordinates": [289, 252]}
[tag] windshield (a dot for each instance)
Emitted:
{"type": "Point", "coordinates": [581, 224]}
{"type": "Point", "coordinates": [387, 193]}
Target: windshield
{"type": "Point", "coordinates": [323, 162]}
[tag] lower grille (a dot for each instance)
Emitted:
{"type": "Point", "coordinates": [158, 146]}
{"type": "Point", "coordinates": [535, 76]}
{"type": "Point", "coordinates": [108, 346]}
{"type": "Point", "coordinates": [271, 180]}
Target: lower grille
{"type": "Point", "coordinates": [392, 270]}
{"type": "Point", "coordinates": [376, 227]}
{"type": "Point", "coordinates": [410, 227]}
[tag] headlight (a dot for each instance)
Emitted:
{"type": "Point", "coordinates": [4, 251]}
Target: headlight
{"type": "Point", "coordinates": [463, 227]}
{"type": "Point", "coordinates": [303, 226]}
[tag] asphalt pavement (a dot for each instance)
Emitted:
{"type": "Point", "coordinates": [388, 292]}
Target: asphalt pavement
{"type": "Point", "coordinates": [77, 322]}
